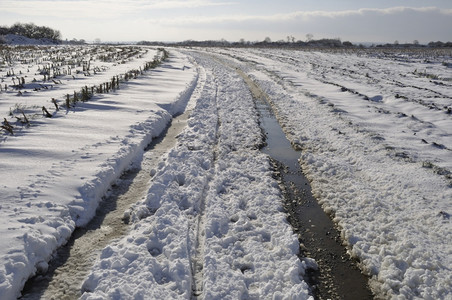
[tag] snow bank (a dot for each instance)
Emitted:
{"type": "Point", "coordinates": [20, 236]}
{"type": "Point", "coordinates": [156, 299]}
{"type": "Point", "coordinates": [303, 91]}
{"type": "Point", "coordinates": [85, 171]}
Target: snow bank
{"type": "Point", "coordinates": [161, 233]}
{"type": "Point", "coordinates": [376, 140]}
{"type": "Point", "coordinates": [249, 248]}
{"type": "Point", "coordinates": [212, 221]}
{"type": "Point", "coordinates": [394, 213]}
{"type": "Point", "coordinates": [55, 172]}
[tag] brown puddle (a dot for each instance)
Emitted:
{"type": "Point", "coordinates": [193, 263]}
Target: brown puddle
{"type": "Point", "coordinates": [338, 276]}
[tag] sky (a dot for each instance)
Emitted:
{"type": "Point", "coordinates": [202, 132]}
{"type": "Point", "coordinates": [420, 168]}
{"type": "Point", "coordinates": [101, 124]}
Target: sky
{"type": "Point", "coordinates": [253, 20]}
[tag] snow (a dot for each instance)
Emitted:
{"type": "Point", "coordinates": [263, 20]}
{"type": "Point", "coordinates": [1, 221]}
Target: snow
{"type": "Point", "coordinates": [213, 195]}
{"type": "Point", "coordinates": [375, 134]}
{"type": "Point", "coordinates": [388, 190]}
{"type": "Point", "coordinates": [55, 172]}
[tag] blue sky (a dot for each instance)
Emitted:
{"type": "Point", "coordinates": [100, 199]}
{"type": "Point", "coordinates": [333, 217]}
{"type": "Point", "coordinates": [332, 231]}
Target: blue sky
{"type": "Point", "coordinates": [178, 20]}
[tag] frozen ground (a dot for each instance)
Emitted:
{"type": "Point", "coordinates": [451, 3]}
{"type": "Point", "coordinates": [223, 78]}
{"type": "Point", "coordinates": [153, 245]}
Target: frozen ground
{"type": "Point", "coordinates": [375, 130]}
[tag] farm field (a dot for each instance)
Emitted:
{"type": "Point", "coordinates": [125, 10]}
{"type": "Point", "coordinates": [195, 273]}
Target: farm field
{"type": "Point", "coordinates": [374, 129]}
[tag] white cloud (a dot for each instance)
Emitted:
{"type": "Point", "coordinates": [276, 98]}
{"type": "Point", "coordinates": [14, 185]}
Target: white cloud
{"type": "Point", "coordinates": [300, 15]}
{"type": "Point", "coordinates": [378, 11]}
{"type": "Point", "coordinates": [381, 25]}
{"type": "Point", "coordinates": [65, 9]}
{"type": "Point", "coordinates": [127, 20]}
{"type": "Point", "coordinates": [100, 9]}
{"type": "Point", "coordinates": [169, 4]}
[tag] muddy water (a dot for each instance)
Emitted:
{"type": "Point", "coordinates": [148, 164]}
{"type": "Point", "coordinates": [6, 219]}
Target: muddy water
{"type": "Point", "coordinates": [337, 277]}
{"type": "Point", "coordinates": [72, 262]}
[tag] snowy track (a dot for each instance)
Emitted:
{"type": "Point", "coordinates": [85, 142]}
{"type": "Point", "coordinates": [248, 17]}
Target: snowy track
{"type": "Point", "coordinates": [73, 262]}
{"type": "Point", "coordinates": [214, 199]}
{"type": "Point", "coordinates": [375, 134]}
{"type": "Point", "coordinates": [197, 258]}
{"type": "Point", "coordinates": [55, 172]}
{"type": "Point", "coordinates": [380, 164]}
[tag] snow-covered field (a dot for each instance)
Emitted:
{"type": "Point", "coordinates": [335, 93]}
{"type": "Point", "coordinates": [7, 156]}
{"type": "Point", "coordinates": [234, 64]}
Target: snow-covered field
{"type": "Point", "coordinates": [376, 134]}
{"type": "Point", "coordinates": [55, 171]}
{"type": "Point", "coordinates": [375, 129]}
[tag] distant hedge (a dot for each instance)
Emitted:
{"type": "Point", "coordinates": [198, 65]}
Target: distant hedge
{"type": "Point", "coordinates": [32, 31]}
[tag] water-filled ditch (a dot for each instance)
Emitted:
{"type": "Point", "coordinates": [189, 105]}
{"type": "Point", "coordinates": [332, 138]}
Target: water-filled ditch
{"type": "Point", "coordinates": [337, 276]}
{"type": "Point", "coordinates": [72, 262]}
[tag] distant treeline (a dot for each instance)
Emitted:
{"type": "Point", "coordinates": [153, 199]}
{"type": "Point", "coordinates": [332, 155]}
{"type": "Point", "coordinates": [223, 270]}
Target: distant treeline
{"type": "Point", "coordinates": [265, 43]}
{"type": "Point", "coordinates": [32, 31]}
{"type": "Point", "coordinates": [326, 43]}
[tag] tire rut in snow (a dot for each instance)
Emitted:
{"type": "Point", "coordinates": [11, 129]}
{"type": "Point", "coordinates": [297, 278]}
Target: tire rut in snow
{"type": "Point", "coordinates": [73, 261]}
{"type": "Point", "coordinates": [213, 202]}
{"type": "Point", "coordinates": [200, 221]}
{"type": "Point", "coordinates": [337, 276]}
{"type": "Point", "coordinates": [250, 251]}
{"type": "Point", "coordinates": [157, 259]}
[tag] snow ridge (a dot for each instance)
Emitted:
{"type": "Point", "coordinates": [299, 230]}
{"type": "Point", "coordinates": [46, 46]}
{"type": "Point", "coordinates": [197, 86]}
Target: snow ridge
{"type": "Point", "coordinates": [240, 247]}
{"type": "Point", "coordinates": [200, 220]}
{"type": "Point", "coordinates": [163, 234]}
{"type": "Point", "coordinates": [391, 224]}
{"type": "Point", "coordinates": [248, 250]}
{"type": "Point", "coordinates": [55, 175]}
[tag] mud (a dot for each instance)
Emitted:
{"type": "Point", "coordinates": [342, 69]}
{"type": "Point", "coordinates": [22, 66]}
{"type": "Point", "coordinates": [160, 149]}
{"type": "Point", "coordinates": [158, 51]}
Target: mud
{"type": "Point", "coordinates": [337, 276]}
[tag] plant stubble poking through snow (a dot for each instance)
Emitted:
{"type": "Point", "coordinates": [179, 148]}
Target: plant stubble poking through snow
{"type": "Point", "coordinates": [56, 170]}
{"type": "Point", "coordinates": [376, 143]}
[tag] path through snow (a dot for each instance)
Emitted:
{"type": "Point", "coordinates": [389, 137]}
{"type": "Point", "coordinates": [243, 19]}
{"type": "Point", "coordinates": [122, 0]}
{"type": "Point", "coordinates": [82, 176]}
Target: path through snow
{"type": "Point", "coordinates": [249, 248]}
{"type": "Point", "coordinates": [375, 133]}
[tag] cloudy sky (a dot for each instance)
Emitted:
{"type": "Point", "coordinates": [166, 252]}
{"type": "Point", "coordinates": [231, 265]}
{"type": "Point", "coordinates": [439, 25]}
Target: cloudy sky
{"type": "Point", "coordinates": [253, 20]}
